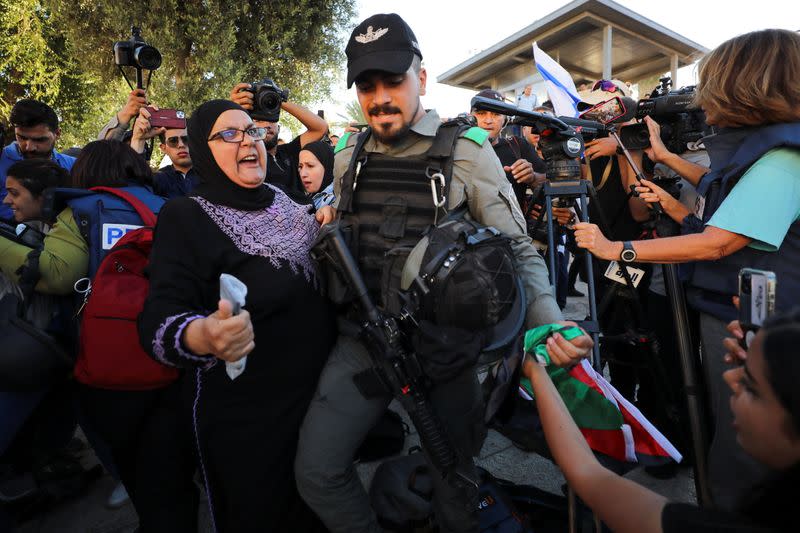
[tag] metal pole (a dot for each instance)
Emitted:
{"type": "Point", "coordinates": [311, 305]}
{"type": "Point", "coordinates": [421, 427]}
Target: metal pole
{"type": "Point", "coordinates": [551, 247]}
{"type": "Point", "coordinates": [695, 403]}
{"type": "Point", "coordinates": [591, 289]}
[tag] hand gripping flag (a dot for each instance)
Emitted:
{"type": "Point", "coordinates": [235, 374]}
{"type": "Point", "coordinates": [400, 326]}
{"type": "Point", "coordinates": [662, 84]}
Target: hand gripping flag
{"type": "Point", "coordinates": [609, 422]}
{"type": "Point", "coordinates": [560, 87]}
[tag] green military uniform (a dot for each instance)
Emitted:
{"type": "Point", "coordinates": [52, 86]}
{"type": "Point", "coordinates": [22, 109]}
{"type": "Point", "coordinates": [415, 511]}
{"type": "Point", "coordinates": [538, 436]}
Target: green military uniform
{"type": "Point", "coordinates": [340, 416]}
{"type": "Point", "coordinates": [478, 179]}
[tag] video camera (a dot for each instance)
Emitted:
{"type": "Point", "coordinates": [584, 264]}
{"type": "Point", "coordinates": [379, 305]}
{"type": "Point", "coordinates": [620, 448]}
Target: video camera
{"type": "Point", "coordinates": [267, 98]}
{"type": "Point", "coordinates": [561, 140]}
{"type": "Point", "coordinates": [682, 123]}
{"type": "Point", "coordinates": [137, 54]}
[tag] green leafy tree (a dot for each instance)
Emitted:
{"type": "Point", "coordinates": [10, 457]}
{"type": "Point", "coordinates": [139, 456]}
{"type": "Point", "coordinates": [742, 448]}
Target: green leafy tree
{"type": "Point", "coordinates": [61, 51]}
{"type": "Point", "coordinates": [353, 113]}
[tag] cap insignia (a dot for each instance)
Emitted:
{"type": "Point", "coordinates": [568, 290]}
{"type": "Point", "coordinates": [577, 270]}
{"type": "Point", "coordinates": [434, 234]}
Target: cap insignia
{"type": "Point", "coordinates": [371, 36]}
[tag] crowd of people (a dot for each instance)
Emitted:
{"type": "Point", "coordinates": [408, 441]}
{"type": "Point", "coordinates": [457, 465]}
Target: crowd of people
{"type": "Point", "coordinates": [263, 397]}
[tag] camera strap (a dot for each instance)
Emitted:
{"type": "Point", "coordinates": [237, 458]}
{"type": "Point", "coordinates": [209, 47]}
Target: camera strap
{"type": "Point", "coordinates": [604, 177]}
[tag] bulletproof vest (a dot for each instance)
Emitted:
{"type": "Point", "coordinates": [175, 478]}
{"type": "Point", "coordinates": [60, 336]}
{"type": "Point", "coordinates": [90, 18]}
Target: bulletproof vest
{"type": "Point", "coordinates": [388, 202]}
{"type": "Point", "coordinates": [713, 283]}
{"type": "Point", "coordinates": [392, 207]}
{"type": "Point", "coordinates": [104, 219]}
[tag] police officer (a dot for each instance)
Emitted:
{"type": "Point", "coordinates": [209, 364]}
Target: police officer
{"type": "Point", "coordinates": [384, 61]}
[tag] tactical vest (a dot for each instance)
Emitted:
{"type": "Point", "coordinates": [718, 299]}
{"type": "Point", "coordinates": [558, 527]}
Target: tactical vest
{"type": "Point", "coordinates": [386, 203]}
{"type": "Point", "coordinates": [713, 283]}
{"type": "Point", "coordinates": [103, 219]}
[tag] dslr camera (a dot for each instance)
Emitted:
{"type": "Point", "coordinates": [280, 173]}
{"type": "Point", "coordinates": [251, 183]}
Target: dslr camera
{"type": "Point", "coordinates": [267, 99]}
{"type": "Point", "coordinates": [136, 53]}
{"type": "Point", "coordinates": [682, 123]}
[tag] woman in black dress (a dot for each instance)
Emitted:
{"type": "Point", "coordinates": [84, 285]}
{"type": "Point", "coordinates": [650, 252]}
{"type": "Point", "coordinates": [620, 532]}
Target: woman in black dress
{"type": "Point", "coordinates": [245, 428]}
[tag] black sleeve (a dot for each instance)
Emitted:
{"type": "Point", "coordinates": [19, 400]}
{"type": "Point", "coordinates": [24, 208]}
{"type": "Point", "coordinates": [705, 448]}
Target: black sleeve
{"type": "Point", "coordinates": [685, 518]}
{"type": "Point", "coordinates": [290, 150]}
{"type": "Point", "coordinates": [182, 268]}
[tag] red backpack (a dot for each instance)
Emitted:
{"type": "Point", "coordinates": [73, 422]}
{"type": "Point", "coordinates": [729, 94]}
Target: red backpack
{"type": "Point", "coordinates": [109, 353]}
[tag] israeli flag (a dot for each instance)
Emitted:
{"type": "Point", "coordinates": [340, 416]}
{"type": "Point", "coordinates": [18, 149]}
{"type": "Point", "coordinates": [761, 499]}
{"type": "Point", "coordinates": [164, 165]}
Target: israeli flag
{"type": "Point", "coordinates": [560, 87]}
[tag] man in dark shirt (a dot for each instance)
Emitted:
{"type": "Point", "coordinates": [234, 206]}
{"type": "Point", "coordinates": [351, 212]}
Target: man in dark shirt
{"type": "Point", "coordinates": [283, 159]}
{"type": "Point", "coordinates": [522, 164]}
{"type": "Point", "coordinates": [177, 179]}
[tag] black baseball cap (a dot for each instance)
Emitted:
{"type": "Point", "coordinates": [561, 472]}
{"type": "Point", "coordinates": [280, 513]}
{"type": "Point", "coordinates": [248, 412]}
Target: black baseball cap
{"type": "Point", "coordinates": [382, 42]}
{"type": "Point", "coordinates": [488, 93]}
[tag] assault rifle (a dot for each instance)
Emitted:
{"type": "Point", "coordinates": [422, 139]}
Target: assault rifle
{"type": "Point", "coordinates": [397, 368]}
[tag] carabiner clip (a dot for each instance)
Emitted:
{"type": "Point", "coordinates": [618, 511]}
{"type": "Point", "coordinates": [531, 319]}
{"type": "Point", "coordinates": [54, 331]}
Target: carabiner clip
{"type": "Point", "coordinates": [438, 202]}
{"type": "Point", "coordinates": [83, 286]}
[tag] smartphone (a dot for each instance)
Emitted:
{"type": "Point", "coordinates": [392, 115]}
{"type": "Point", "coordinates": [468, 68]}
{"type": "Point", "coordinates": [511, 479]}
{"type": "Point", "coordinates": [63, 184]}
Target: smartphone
{"type": "Point", "coordinates": [605, 112]}
{"type": "Point", "coordinates": [172, 119]}
{"type": "Point", "coordinates": [756, 297]}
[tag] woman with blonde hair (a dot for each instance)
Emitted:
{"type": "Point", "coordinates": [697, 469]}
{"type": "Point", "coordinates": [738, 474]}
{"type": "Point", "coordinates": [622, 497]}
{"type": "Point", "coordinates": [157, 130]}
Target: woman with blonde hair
{"type": "Point", "coordinates": [749, 88]}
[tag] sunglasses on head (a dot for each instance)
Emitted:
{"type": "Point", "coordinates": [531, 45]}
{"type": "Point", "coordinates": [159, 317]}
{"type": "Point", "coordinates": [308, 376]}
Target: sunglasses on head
{"type": "Point", "coordinates": [605, 85]}
{"type": "Point", "coordinates": [172, 142]}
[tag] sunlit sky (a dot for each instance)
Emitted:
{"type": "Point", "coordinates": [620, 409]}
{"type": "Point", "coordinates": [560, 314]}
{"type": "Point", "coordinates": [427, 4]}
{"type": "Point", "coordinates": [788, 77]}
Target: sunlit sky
{"type": "Point", "coordinates": [450, 32]}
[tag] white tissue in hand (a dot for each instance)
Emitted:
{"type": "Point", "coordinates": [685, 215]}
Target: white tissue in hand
{"type": "Point", "coordinates": [233, 290]}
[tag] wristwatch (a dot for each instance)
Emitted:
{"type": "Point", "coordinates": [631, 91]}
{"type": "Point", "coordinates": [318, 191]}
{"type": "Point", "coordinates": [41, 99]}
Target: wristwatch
{"type": "Point", "coordinates": [628, 254]}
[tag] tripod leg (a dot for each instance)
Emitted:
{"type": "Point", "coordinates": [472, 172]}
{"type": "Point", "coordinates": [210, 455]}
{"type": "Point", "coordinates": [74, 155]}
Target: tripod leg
{"type": "Point", "coordinates": [694, 395]}
{"type": "Point", "coordinates": [551, 249]}
{"type": "Point", "coordinates": [591, 288]}
{"type": "Point", "coordinates": [572, 511]}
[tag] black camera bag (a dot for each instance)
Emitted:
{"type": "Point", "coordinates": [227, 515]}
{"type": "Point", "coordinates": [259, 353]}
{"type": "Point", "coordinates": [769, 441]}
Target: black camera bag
{"type": "Point", "coordinates": [31, 359]}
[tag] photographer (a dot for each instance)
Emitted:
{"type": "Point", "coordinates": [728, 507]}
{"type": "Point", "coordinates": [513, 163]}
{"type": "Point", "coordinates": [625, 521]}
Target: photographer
{"type": "Point", "coordinates": [611, 176]}
{"type": "Point", "coordinates": [36, 131]}
{"type": "Point", "coordinates": [754, 162]}
{"type": "Point", "coordinates": [283, 159]}
{"type": "Point", "coordinates": [521, 163]}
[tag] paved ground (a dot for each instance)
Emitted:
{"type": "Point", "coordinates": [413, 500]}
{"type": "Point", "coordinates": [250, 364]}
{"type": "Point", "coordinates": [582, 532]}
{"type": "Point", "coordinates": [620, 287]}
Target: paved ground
{"type": "Point", "coordinates": [499, 456]}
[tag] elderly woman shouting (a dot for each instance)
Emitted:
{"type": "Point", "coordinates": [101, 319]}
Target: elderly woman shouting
{"type": "Point", "coordinates": [749, 216]}
{"type": "Point", "coordinates": [245, 425]}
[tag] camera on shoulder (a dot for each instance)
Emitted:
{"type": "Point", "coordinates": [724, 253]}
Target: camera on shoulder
{"type": "Point", "coordinates": [682, 123]}
{"type": "Point", "coordinates": [267, 99]}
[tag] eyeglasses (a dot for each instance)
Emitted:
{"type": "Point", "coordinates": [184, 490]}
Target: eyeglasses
{"type": "Point", "coordinates": [236, 136]}
{"type": "Point", "coordinates": [172, 142]}
{"type": "Point", "coordinates": [605, 85]}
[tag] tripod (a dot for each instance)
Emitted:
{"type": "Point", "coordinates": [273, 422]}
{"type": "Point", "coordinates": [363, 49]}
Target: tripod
{"type": "Point", "coordinates": [694, 397]}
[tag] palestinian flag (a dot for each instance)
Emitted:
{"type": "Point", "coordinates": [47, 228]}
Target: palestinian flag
{"type": "Point", "coordinates": [609, 422]}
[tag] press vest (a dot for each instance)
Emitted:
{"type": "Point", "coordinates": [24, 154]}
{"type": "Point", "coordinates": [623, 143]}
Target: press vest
{"type": "Point", "coordinates": [713, 283]}
{"type": "Point", "coordinates": [103, 219]}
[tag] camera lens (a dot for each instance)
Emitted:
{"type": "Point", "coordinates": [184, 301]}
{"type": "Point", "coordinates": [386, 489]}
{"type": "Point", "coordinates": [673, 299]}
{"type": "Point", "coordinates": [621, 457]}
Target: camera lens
{"type": "Point", "coordinates": [148, 57]}
{"type": "Point", "coordinates": [269, 101]}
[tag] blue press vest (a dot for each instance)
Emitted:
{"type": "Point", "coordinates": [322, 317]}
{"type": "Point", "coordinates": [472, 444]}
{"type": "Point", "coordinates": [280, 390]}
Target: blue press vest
{"type": "Point", "coordinates": [103, 219]}
{"type": "Point", "coordinates": [713, 283]}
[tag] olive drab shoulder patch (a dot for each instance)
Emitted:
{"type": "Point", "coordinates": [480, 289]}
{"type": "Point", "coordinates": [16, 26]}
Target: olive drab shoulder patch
{"type": "Point", "coordinates": [476, 135]}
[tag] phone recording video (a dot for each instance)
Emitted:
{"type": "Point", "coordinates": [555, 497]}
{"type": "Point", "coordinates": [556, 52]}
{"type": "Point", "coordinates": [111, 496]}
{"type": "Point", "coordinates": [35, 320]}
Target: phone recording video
{"type": "Point", "coordinates": [605, 112]}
